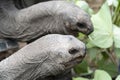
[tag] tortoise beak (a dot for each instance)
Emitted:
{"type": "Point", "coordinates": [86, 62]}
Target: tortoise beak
{"type": "Point", "coordinates": [73, 62]}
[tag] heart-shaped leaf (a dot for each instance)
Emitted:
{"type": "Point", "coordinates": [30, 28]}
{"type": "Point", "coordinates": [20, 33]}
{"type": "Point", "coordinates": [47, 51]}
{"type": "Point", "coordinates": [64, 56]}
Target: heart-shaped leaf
{"type": "Point", "coordinates": [101, 75]}
{"type": "Point", "coordinates": [102, 35]}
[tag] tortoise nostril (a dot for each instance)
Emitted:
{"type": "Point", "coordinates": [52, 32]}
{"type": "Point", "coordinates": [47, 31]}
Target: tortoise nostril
{"type": "Point", "coordinates": [73, 51]}
{"type": "Point", "coordinates": [81, 25]}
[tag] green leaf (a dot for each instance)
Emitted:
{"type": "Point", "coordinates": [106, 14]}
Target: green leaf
{"type": "Point", "coordinates": [101, 75]}
{"type": "Point", "coordinates": [81, 68]}
{"type": "Point", "coordinates": [93, 52]}
{"type": "Point", "coordinates": [102, 35]}
{"type": "Point", "coordinates": [84, 5]}
{"type": "Point", "coordinates": [118, 78]}
{"type": "Point", "coordinates": [80, 78]}
{"type": "Point", "coordinates": [117, 52]}
{"type": "Point", "coordinates": [112, 2]}
{"type": "Point", "coordinates": [90, 44]}
{"type": "Point", "coordinates": [116, 31]}
{"type": "Point", "coordinates": [110, 67]}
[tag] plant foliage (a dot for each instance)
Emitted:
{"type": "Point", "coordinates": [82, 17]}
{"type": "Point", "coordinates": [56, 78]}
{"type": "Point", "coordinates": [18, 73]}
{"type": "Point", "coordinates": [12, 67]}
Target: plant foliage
{"type": "Point", "coordinates": [103, 44]}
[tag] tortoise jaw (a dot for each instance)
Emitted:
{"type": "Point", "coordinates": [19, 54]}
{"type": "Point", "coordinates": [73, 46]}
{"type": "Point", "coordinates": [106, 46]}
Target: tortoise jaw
{"type": "Point", "coordinates": [71, 63]}
{"type": "Point", "coordinates": [86, 31]}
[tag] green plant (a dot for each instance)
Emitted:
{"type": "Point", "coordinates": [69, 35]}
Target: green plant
{"type": "Point", "coordinates": [104, 43]}
{"type": "Point", "coordinates": [99, 75]}
{"type": "Point", "coordinates": [116, 17]}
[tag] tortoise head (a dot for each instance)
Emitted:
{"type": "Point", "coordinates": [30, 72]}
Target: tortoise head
{"type": "Point", "coordinates": [64, 52]}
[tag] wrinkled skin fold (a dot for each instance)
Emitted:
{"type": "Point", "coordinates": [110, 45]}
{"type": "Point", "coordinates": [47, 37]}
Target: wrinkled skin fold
{"type": "Point", "coordinates": [43, 59]}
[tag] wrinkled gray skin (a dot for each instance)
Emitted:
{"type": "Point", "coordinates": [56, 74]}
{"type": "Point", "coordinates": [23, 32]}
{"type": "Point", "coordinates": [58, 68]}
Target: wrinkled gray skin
{"type": "Point", "coordinates": [28, 24]}
{"type": "Point", "coordinates": [48, 56]}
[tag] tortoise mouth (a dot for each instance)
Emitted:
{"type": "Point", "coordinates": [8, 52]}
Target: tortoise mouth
{"type": "Point", "coordinates": [84, 31]}
{"type": "Point", "coordinates": [73, 62]}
